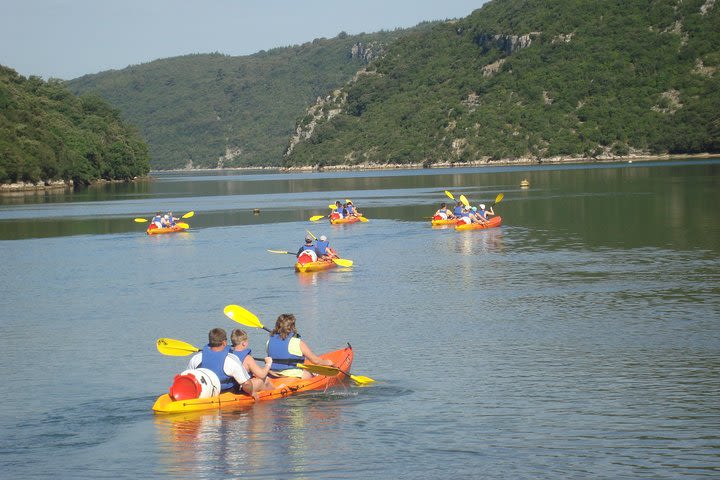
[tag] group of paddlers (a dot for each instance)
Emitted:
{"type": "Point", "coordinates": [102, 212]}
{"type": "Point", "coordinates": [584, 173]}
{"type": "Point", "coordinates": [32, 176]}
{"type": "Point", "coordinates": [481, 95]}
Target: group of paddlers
{"type": "Point", "coordinates": [466, 213]}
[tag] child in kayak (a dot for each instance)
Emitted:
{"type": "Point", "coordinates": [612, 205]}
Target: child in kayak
{"type": "Point", "coordinates": [284, 342]}
{"type": "Point", "coordinates": [338, 212]}
{"type": "Point", "coordinates": [240, 347]}
{"type": "Point", "coordinates": [218, 357]}
{"type": "Point", "coordinates": [157, 220]}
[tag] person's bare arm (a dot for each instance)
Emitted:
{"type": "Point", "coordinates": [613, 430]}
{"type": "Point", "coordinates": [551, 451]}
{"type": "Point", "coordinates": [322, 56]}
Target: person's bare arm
{"type": "Point", "coordinates": [310, 355]}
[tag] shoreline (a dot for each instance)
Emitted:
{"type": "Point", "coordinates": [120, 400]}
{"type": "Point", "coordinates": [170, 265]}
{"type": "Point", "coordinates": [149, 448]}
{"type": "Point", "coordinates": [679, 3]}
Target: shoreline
{"type": "Point", "coordinates": [56, 186]}
{"type": "Point", "coordinates": [480, 163]}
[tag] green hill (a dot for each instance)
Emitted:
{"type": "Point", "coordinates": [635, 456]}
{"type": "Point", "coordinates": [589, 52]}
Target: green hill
{"type": "Point", "coordinates": [47, 133]}
{"type": "Point", "coordinates": [531, 79]}
{"type": "Point", "coordinates": [214, 110]}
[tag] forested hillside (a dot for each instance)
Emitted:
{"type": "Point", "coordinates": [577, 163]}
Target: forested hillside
{"type": "Point", "coordinates": [531, 79]}
{"type": "Point", "coordinates": [216, 110]}
{"type": "Point", "coordinates": [47, 133]}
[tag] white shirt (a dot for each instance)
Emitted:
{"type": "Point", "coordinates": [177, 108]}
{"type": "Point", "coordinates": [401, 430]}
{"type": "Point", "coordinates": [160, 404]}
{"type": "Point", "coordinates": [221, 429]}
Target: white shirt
{"type": "Point", "coordinates": [233, 367]}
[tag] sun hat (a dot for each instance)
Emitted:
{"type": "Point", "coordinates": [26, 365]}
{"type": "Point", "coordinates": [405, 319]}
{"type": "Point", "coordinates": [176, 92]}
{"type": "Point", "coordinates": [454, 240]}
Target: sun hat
{"type": "Point", "coordinates": [482, 206]}
{"type": "Point", "coordinates": [474, 209]}
{"type": "Point", "coordinates": [323, 238]}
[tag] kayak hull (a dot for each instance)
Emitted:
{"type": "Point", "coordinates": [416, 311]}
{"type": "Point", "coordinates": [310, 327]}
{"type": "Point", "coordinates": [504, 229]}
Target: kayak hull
{"type": "Point", "coordinates": [318, 266]}
{"type": "Point", "coordinates": [158, 231]}
{"type": "Point", "coordinates": [495, 221]}
{"type": "Point", "coordinates": [452, 221]}
{"type": "Point", "coordinates": [285, 386]}
{"type": "Point", "coordinates": [340, 221]}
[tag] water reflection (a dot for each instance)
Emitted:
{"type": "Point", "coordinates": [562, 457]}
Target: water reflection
{"type": "Point", "coordinates": [261, 440]}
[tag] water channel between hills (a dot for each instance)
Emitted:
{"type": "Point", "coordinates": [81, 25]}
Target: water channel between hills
{"type": "Point", "coordinates": [580, 339]}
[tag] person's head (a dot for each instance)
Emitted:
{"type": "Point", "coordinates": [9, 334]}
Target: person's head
{"type": "Point", "coordinates": [323, 238]}
{"type": "Point", "coordinates": [474, 209]}
{"type": "Point", "coordinates": [158, 213]}
{"type": "Point", "coordinates": [285, 326]}
{"type": "Point", "coordinates": [217, 337]}
{"type": "Point", "coordinates": [237, 337]}
{"type": "Point", "coordinates": [338, 203]}
{"type": "Point", "coordinates": [308, 240]}
{"type": "Point", "coordinates": [442, 205]}
{"type": "Point", "coordinates": [349, 202]}
{"type": "Point", "coordinates": [482, 206]}
{"type": "Point", "coordinates": [459, 204]}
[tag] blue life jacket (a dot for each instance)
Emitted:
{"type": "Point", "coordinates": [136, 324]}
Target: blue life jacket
{"type": "Point", "coordinates": [483, 214]}
{"type": "Point", "coordinates": [279, 348]}
{"type": "Point", "coordinates": [457, 211]}
{"type": "Point", "coordinates": [241, 354]}
{"type": "Point", "coordinates": [321, 247]}
{"type": "Point", "coordinates": [350, 209]}
{"type": "Point", "coordinates": [307, 247]}
{"type": "Point", "coordinates": [215, 361]}
{"type": "Point", "coordinates": [465, 213]}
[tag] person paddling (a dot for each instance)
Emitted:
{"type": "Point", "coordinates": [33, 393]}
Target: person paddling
{"type": "Point", "coordinates": [323, 250]}
{"type": "Point", "coordinates": [240, 347]}
{"type": "Point", "coordinates": [458, 210]}
{"type": "Point", "coordinates": [307, 251]}
{"type": "Point", "coordinates": [338, 212]}
{"type": "Point", "coordinates": [158, 220]}
{"type": "Point", "coordinates": [284, 342]}
{"type": "Point", "coordinates": [218, 357]}
{"type": "Point", "coordinates": [485, 214]}
{"type": "Point", "coordinates": [443, 213]}
{"type": "Point", "coordinates": [351, 210]}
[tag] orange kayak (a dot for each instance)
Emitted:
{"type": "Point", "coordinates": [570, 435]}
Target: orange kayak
{"type": "Point", "coordinates": [340, 221]}
{"type": "Point", "coordinates": [495, 221]}
{"type": "Point", "coordinates": [314, 266]}
{"type": "Point", "coordinates": [153, 230]}
{"type": "Point", "coordinates": [285, 386]}
{"type": "Point", "coordinates": [439, 221]}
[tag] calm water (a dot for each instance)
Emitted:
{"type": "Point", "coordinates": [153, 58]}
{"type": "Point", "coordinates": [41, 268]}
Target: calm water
{"type": "Point", "coordinates": [580, 339]}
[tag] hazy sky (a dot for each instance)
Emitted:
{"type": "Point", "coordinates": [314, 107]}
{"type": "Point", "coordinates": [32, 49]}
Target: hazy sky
{"type": "Point", "coordinates": [70, 38]}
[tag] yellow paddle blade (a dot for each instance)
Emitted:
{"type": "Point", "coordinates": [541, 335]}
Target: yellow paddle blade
{"type": "Point", "coordinates": [361, 380]}
{"type": "Point", "coordinates": [140, 220]}
{"type": "Point", "coordinates": [175, 348]}
{"type": "Point", "coordinates": [331, 206]}
{"type": "Point", "coordinates": [315, 218]}
{"type": "Point", "coordinates": [188, 215]}
{"type": "Point", "coordinates": [311, 234]}
{"type": "Point", "coordinates": [363, 219]}
{"type": "Point", "coordinates": [343, 262]}
{"type": "Point", "coordinates": [279, 251]}
{"type": "Point", "coordinates": [347, 200]}
{"type": "Point", "coordinates": [450, 195]}
{"type": "Point", "coordinates": [242, 316]}
{"type": "Point", "coordinates": [464, 200]}
{"type": "Point", "coordinates": [182, 225]}
{"type": "Point", "coordinates": [499, 197]}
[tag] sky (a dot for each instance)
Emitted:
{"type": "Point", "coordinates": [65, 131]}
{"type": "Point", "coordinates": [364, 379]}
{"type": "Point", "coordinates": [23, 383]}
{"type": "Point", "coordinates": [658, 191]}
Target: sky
{"type": "Point", "coordinates": [69, 38]}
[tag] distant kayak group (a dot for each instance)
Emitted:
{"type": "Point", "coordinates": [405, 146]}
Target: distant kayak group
{"type": "Point", "coordinates": [464, 216]}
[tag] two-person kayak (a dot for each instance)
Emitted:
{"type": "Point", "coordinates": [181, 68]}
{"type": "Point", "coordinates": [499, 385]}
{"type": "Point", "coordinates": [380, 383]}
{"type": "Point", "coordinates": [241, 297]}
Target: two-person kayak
{"type": "Point", "coordinates": [340, 221]}
{"type": "Point", "coordinates": [155, 230]}
{"type": "Point", "coordinates": [285, 386]}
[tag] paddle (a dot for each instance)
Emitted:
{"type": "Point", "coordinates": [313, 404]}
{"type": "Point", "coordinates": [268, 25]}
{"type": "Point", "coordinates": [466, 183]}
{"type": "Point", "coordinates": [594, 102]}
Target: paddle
{"type": "Point", "coordinates": [315, 218]}
{"type": "Point", "coordinates": [498, 199]}
{"type": "Point", "coordinates": [281, 251]}
{"type": "Point", "coordinates": [343, 262]}
{"type": "Point", "coordinates": [333, 371]}
{"type": "Point", "coordinates": [187, 215]}
{"type": "Point", "coordinates": [178, 348]}
{"type": "Point", "coordinates": [464, 200]}
{"type": "Point", "coordinates": [450, 195]}
{"type": "Point", "coordinates": [249, 319]}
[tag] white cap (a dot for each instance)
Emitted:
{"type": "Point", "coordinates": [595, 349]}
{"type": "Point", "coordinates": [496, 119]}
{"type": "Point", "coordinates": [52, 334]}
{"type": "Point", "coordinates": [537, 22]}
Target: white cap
{"type": "Point", "coordinates": [482, 206]}
{"type": "Point", "coordinates": [323, 238]}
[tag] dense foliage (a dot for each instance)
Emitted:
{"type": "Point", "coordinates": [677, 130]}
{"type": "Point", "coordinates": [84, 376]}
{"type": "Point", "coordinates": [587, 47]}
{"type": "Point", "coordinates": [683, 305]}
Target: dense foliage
{"type": "Point", "coordinates": [534, 79]}
{"type": "Point", "coordinates": [215, 110]}
{"type": "Point", "coordinates": [47, 133]}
